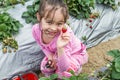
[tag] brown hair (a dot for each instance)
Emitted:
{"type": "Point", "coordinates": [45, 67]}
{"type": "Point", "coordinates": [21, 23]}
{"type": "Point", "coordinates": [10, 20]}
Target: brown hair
{"type": "Point", "coordinates": [45, 11]}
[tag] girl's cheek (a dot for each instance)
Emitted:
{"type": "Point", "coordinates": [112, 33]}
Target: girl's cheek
{"type": "Point", "coordinates": [59, 29]}
{"type": "Point", "coordinates": [44, 27]}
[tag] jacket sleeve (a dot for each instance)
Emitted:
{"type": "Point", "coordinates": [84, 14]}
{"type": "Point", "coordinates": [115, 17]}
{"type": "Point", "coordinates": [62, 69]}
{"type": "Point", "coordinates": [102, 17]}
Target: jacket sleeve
{"type": "Point", "coordinates": [74, 56]}
{"type": "Point", "coordinates": [36, 35]}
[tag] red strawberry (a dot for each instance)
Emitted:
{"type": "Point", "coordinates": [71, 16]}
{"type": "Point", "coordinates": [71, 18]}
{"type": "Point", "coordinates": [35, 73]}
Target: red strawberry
{"type": "Point", "coordinates": [91, 27]}
{"type": "Point", "coordinates": [90, 20]}
{"type": "Point", "coordinates": [16, 78]}
{"type": "Point", "coordinates": [64, 29]}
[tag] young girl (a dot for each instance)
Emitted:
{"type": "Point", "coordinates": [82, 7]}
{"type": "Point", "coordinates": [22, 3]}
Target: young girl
{"type": "Point", "coordinates": [63, 50]}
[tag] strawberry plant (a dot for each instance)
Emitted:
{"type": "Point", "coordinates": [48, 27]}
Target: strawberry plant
{"type": "Point", "coordinates": [84, 38]}
{"type": "Point", "coordinates": [52, 77]}
{"type": "Point", "coordinates": [77, 8]}
{"type": "Point", "coordinates": [115, 64]}
{"type": "Point", "coordinates": [8, 27]}
{"type": "Point", "coordinates": [30, 14]}
{"type": "Point", "coordinates": [80, 8]}
{"type": "Point", "coordinates": [110, 3]}
{"type": "Point", "coordinates": [118, 3]}
{"type": "Point", "coordinates": [5, 3]}
{"type": "Point", "coordinates": [73, 77]}
{"type": "Point", "coordinates": [81, 76]}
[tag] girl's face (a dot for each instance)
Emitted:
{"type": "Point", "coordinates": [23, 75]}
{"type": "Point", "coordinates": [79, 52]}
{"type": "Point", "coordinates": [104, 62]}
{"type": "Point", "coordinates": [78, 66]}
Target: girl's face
{"type": "Point", "coordinates": [52, 25]}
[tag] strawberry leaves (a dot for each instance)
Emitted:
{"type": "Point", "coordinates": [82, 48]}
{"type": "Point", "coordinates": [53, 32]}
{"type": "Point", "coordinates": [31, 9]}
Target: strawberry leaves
{"type": "Point", "coordinates": [8, 27]}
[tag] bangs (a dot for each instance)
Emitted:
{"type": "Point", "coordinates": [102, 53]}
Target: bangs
{"type": "Point", "coordinates": [51, 12]}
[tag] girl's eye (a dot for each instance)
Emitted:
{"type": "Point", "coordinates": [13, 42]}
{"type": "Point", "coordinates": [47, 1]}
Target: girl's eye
{"type": "Point", "coordinates": [59, 24]}
{"type": "Point", "coordinates": [49, 22]}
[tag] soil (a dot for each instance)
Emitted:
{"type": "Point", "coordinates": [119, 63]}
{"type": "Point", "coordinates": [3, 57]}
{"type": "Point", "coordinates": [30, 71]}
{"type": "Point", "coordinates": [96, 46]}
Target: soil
{"type": "Point", "coordinates": [98, 55]}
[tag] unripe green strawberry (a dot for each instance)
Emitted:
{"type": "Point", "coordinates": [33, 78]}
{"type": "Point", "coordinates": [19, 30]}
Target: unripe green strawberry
{"type": "Point", "coordinates": [4, 50]}
{"type": "Point", "coordinates": [13, 1]}
{"type": "Point", "coordinates": [64, 29]}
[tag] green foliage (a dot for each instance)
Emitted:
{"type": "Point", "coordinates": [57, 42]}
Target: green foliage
{"type": "Point", "coordinates": [110, 3]}
{"type": "Point", "coordinates": [30, 14]}
{"type": "Point", "coordinates": [80, 8]}
{"type": "Point", "coordinates": [78, 77]}
{"type": "Point", "coordinates": [74, 77]}
{"type": "Point", "coordinates": [52, 77]}
{"type": "Point", "coordinates": [118, 3]}
{"type": "Point", "coordinates": [115, 64]}
{"type": "Point", "coordinates": [8, 27]}
{"type": "Point", "coordinates": [114, 53]}
{"type": "Point", "coordinates": [5, 3]}
{"type": "Point", "coordinates": [84, 38]}
{"type": "Point", "coordinates": [44, 78]}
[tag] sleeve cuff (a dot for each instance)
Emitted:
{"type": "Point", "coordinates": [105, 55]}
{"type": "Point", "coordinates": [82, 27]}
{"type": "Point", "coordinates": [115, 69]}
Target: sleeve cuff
{"type": "Point", "coordinates": [63, 63]}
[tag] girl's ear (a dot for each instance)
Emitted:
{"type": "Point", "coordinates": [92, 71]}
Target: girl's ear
{"type": "Point", "coordinates": [38, 16]}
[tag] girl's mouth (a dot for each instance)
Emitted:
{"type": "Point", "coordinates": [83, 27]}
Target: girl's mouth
{"type": "Point", "coordinates": [50, 34]}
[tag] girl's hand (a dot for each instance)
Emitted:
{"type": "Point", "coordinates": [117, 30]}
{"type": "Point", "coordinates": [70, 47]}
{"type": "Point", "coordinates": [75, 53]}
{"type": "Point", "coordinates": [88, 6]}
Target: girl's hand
{"type": "Point", "coordinates": [51, 63]}
{"type": "Point", "coordinates": [63, 39]}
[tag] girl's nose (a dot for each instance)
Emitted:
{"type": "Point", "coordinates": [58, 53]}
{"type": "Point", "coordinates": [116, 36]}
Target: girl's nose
{"type": "Point", "coordinates": [54, 27]}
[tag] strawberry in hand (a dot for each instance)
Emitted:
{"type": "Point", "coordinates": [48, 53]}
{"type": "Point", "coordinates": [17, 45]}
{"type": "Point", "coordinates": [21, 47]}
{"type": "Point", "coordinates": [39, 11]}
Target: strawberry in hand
{"type": "Point", "coordinates": [64, 29]}
{"type": "Point", "coordinates": [63, 38]}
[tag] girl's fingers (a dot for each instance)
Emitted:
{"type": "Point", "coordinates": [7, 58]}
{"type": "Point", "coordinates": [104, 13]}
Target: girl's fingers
{"type": "Point", "coordinates": [52, 65]}
{"type": "Point", "coordinates": [65, 34]}
{"type": "Point", "coordinates": [66, 38]}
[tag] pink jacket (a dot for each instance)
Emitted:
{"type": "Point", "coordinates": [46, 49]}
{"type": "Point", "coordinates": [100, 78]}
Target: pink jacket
{"type": "Point", "coordinates": [73, 58]}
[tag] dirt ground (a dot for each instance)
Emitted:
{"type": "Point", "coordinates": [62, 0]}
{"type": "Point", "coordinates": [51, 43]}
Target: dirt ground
{"type": "Point", "coordinates": [98, 55]}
